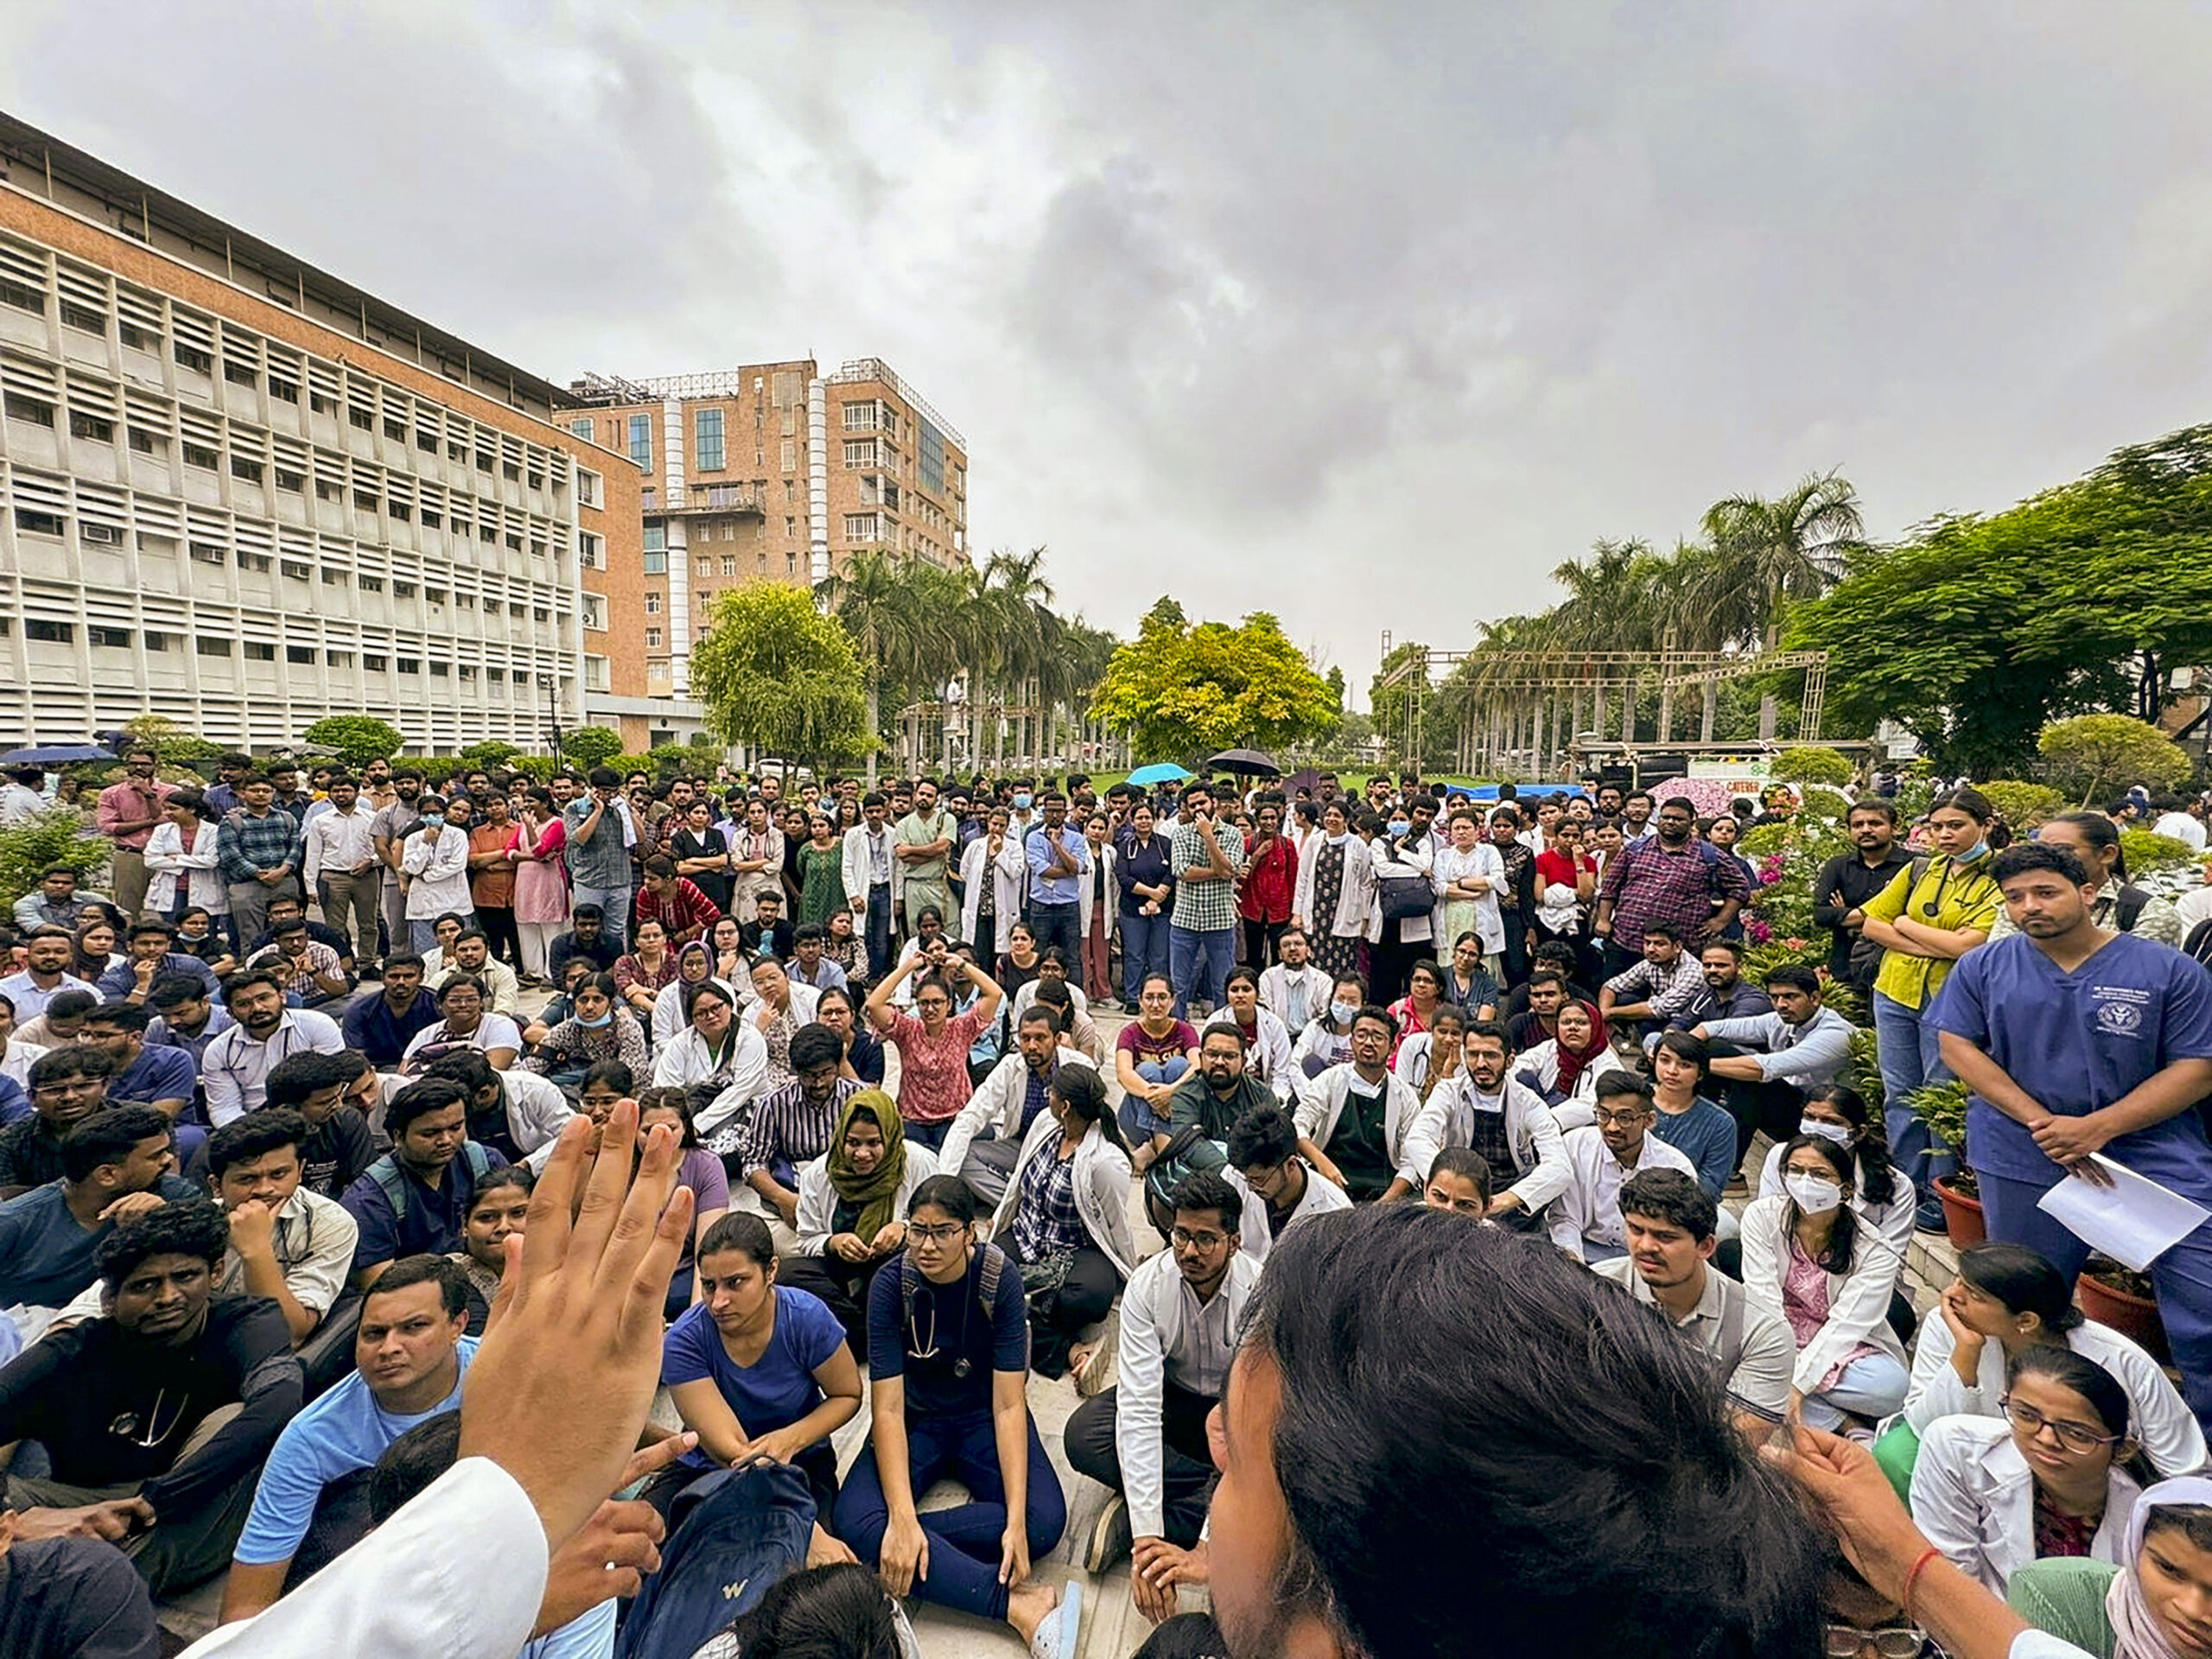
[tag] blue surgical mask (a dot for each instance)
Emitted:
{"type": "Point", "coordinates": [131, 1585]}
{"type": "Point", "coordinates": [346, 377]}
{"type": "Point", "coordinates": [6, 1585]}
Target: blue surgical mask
{"type": "Point", "coordinates": [1971, 854]}
{"type": "Point", "coordinates": [1399, 826]}
{"type": "Point", "coordinates": [434, 819]}
{"type": "Point", "coordinates": [1022, 802]}
{"type": "Point", "coordinates": [1342, 1013]}
{"type": "Point", "coordinates": [607, 1019]}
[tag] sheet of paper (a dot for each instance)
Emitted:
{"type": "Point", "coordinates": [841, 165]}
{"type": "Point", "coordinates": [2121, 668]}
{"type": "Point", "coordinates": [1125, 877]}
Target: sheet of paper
{"type": "Point", "coordinates": [2134, 1220]}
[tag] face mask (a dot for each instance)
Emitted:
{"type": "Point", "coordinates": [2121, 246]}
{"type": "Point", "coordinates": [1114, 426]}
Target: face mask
{"type": "Point", "coordinates": [1342, 1012]}
{"type": "Point", "coordinates": [1399, 826]}
{"type": "Point", "coordinates": [607, 1019]}
{"type": "Point", "coordinates": [1022, 802]}
{"type": "Point", "coordinates": [1971, 854]}
{"type": "Point", "coordinates": [1813, 1194]}
{"type": "Point", "coordinates": [1839, 1133]}
{"type": "Point", "coordinates": [434, 819]}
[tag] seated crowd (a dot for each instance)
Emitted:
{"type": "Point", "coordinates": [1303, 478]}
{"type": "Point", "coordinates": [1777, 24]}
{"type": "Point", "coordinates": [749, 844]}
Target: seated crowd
{"type": "Point", "coordinates": [262, 1196]}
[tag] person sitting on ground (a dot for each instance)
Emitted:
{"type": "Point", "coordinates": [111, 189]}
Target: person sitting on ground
{"type": "Point", "coordinates": [499, 1210]}
{"type": "Point", "coordinates": [2048, 1479]}
{"type": "Point", "coordinates": [948, 1371]}
{"type": "Point", "coordinates": [1210, 1099]}
{"type": "Point", "coordinates": [382, 1025]}
{"type": "Point", "coordinates": [1327, 1041]}
{"type": "Point", "coordinates": [115, 1167]}
{"type": "Point", "coordinates": [2150, 1605]}
{"type": "Point", "coordinates": [1151, 1056]}
{"type": "Point", "coordinates": [164, 1078]}
{"type": "Point", "coordinates": [338, 1144]}
{"type": "Point", "coordinates": [849, 1203]}
{"type": "Point", "coordinates": [1294, 990]}
{"type": "Point", "coordinates": [598, 1028]}
{"type": "Point", "coordinates": [152, 953]}
{"type": "Point", "coordinates": [2006, 1300]}
{"type": "Point", "coordinates": [1809, 1259]}
{"type": "Point", "coordinates": [413, 1200]}
{"type": "Point", "coordinates": [1567, 1070]}
{"type": "Point", "coordinates": [287, 910]}
{"type": "Point", "coordinates": [986, 1139]}
{"type": "Point", "coordinates": [63, 1022]}
{"type": "Point", "coordinates": [307, 969]}
{"type": "Point", "coordinates": [694, 963]}
{"type": "Point", "coordinates": [64, 1596]}
{"type": "Point", "coordinates": [1670, 1222]}
{"type": "Point", "coordinates": [1769, 1064]}
{"type": "Point", "coordinates": [1065, 1219]}
{"type": "Point", "coordinates": [472, 955]}
{"type": "Point", "coordinates": [515, 1113]}
{"type": "Point", "coordinates": [723, 1056]}
{"type": "Point", "coordinates": [1427, 1059]}
{"type": "Point", "coordinates": [1355, 1120]}
{"type": "Point", "coordinates": [67, 1085]}
{"type": "Point", "coordinates": [701, 1172]}
{"type": "Point", "coordinates": [1488, 1110]}
{"type": "Point", "coordinates": [1266, 1039]}
{"type": "Point", "coordinates": [1726, 994]}
{"type": "Point", "coordinates": [559, 1006]}
{"type": "Point", "coordinates": [1880, 1195]}
{"type": "Point", "coordinates": [155, 1415]}
{"type": "Point", "coordinates": [184, 1017]}
{"type": "Point", "coordinates": [234, 1071]}
{"type": "Point", "coordinates": [809, 964]}
{"type": "Point", "coordinates": [410, 1352]}
{"type": "Point", "coordinates": [1586, 1222]}
{"type": "Point", "coordinates": [288, 1242]}
{"type": "Point", "coordinates": [464, 1022]}
{"type": "Point", "coordinates": [1275, 1187]}
{"type": "Point", "coordinates": [1145, 1439]}
{"type": "Point", "coordinates": [770, 933]}
{"type": "Point", "coordinates": [757, 1368]}
{"type": "Point", "coordinates": [1459, 1182]}
{"type": "Point", "coordinates": [1688, 1122]}
{"type": "Point", "coordinates": [789, 1127]}
{"type": "Point", "coordinates": [587, 937]}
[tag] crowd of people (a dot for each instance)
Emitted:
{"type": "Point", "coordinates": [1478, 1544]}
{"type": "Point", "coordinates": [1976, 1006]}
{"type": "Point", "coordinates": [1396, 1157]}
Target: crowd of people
{"type": "Point", "coordinates": [288, 1098]}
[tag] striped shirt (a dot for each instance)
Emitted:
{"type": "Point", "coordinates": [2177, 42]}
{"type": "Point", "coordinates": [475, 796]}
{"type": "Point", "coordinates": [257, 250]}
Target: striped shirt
{"type": "Point", "coordinates": [784, 1130]}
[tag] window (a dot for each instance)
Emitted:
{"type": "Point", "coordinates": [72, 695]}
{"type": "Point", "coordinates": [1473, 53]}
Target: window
{"type": "Point", "coordinates": [256, 563]}
{"type": "Point", "coordinates": [372, 584]}
{"type": "Point", "coordinates": [298, 571]}
{"type": "Point", "coordinates": [374, 664]}
{"type": "Point", "coordinates": [206, 552]}
{"type": "Point", "coordinates": [90, 426]}
{"type": "Point", "coordinates": [260, 651]}
{"type": "Point", "coordinates": [199, 455]}
{"type": "Point", "coordinates": [729, 565]}
{"type": "Point", "coordinates": [641, 440]}
{"type": "Point", "coordinates": [206, 646]}
{"type": "Point", "coordinates": [859, 417]}
{"type": "Point", "coordinates": [587, 485]}
{"type": "Point", "coordinates": [239, 374]}
{"type": "Point", "coordinates": [283, 391]}
{"type": "Point", "coordinates": [410, 665]}
{"type": "Point", "coordinates": [582, 428]}
{"type": "Point", "coordinates": [403, 590]}
{"type": "Point", "coordinates": [707, 439]}
{"type": "Point", "coordinates": [861, 526]}
{"type": "Point", "coordinates": [591, 551]}
{"type": "Point", "coordinates": [302, 656]}
{"type": "Point", "coordinates": [146, 443]}
{"type": "Point", "coordinates": [337, 658]}
{"type": "Point", "coordinates": [37, 523]}
{"type": "Point", "coordinates": [19, 407]}
{"type": "Point", "coordinates": [287, 480]}
{"type": "Point", "coordinates": [652, 604]}
{"type": "Point", "coordinates": [594, 612]}
{"type": "Point", "coordinates": [23, 298]}
{"type": "Point", "coordinates": [790, 454]}
{"type": "Point", "coordinates": [791, 527]}
{"type": "Point", "coordinates": [54, 633]}
{"type": "Point", "coordinates": [595, 674]}
{"type": "Point", "coordinates": [157, 641]}
{"type": "Point", "coordinates": [103, 535]}
{"type": "Point", "coordinates": [652, 638]}
{"type": "Point", "coordinates": [361, 418]}
{"type": "Point", "coordinates": [189, 358]}
{"type": "Point", "coordinates": [139, 340]}
{"type": "Point", "coordinates": [109, 638]}
{"type": "Point", "coordinates": [84, 317]}
{"type": "Point", "coordinates": [249, 471]}
{"type": "Point", "coordinates": [860, 452]}
{"type": "Point", "coordinates": [706, 566]}
{"type": "Point", "coordinates": [396, 429]}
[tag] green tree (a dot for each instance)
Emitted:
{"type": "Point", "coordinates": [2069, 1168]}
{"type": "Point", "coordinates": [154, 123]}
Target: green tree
{"type": "Point", "coordinates": [2023, 804]}
{"type": "Point", "coordinates": [1187, 691]}
{"type": "Point", "coordinates": [359, 739]}
{"type": "Point", "coordinates": [1977, 632]}
{"type": "Point", "coordinates": [592, 746]}
{"type": "Point", "coordinates": [176, 745]}
{"type": "Point", "coordinates": [774, 674]}
{"type": "Point", "coordinates": [1765, 554]}
{"type": "Point", "coordinates": [61, 835]}
{"type": "Point", "coordinates": [1812, 763]}
{"type": "Point", "coordinates": [2098, 754]}
{"type": "Point", "coordinates": [494, 751]}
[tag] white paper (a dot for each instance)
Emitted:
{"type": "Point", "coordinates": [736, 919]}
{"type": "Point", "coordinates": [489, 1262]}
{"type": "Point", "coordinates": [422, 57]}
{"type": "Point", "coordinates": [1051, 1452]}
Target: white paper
{"type": "Point", "coordinates": [2134, 1220]}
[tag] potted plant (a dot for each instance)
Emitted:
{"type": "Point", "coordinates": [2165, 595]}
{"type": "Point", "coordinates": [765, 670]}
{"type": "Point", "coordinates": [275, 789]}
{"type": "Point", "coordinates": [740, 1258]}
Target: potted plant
{"type": "Point", "coordinates": [1943, 1108]}
{"type": "Point", "coordinates": [2123, 1299]}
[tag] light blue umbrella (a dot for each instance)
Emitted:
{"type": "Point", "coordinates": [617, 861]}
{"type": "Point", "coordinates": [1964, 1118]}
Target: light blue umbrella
{"type": "Point", "coordinates": [1159, 771]}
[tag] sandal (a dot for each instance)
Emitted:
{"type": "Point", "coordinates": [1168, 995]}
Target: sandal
{"type": "Point", "coordinates": [1056, 1638]}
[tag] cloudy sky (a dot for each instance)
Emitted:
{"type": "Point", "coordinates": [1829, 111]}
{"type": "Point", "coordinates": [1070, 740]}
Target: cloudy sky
{"type": "Point", "coordinates": [1368, 314]}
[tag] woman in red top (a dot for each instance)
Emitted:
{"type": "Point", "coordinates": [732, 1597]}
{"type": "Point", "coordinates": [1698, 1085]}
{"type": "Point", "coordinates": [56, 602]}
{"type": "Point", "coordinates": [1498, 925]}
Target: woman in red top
{"type": "Point", "coordinates": [1270, 879]}
{"type": "Point", "coordinates": [1567, 886]}
{"type": "Point", "coordinates": [933, 1042]}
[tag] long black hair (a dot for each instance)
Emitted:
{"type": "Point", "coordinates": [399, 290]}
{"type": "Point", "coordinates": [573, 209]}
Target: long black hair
{"type": "Point", "coordinates": [1843, 1242]}
{"type": "Point", "coordinates": [1877, 1176]}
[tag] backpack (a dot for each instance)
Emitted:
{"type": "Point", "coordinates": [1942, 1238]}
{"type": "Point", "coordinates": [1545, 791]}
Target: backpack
{"type": "Point", "coordinates": [2133, 899]}
{"type": "Point", "coordinates": [396, 1187]}
{"type": "Point", "coordinates": [987, 1290]}
{"type": "Point", "coordinates": [732, 1535]}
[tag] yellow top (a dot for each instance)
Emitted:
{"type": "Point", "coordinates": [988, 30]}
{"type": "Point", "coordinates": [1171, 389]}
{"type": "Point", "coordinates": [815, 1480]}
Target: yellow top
{"type": "Point", "coordinates": [1947, 895]}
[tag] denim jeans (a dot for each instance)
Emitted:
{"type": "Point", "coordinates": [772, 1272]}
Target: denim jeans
{"type": "Point", "coordinates": [1144, 951]}
{"type": "Point", "coordinates": [1191, 952]}
{"type": "Point", "coordinates": [1911, 1056]}
{"type": "Point", "coordinates": [876, 930]}
{"type": "Point", "coordinates": [1139, 1121]}
{"type": "Point", "coordinates": [423, 935]}
{"type": "Point", "coordinates": [615, 901]}
{"type": "Point", "coordinates": [1060, 925]}
{"type": "Point", "coordinates": [1873, 1388]}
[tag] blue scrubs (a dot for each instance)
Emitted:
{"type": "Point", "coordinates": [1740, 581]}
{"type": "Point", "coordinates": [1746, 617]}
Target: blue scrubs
{"type": "Point", "coordinates": [2077, 1042]}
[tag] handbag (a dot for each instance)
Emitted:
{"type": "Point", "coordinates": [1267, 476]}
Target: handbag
{"type": "Point", "coordinates": [1404, 896]}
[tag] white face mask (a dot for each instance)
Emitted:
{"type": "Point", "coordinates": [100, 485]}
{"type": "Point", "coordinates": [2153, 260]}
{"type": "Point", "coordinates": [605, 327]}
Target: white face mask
{"type": "Point", "coordinates": [1814, 1194]}
{"type": "Point", "coordinates": [1839, 1133]}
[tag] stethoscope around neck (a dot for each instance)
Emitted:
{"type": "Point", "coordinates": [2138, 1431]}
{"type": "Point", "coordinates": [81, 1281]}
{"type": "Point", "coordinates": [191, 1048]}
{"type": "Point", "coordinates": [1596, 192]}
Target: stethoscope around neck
{"type": "Point", "coordinates": [915, 1347]}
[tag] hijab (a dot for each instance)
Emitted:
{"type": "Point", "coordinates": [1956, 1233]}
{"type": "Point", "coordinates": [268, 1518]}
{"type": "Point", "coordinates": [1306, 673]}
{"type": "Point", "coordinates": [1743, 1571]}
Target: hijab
{"type": "Point", "coordinates": [1572, 1062]}
{"type": "Point", "coordinates": [2136, 1631]}
{"type": "Point", "coordinates": [876, 1194]}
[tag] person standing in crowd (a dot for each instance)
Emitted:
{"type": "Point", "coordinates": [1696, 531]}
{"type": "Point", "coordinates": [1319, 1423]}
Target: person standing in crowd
{"type": "Point", "coordinates": [1848, 881]}
{"type": "Point", "coordinates": [1096, 912]}
{"type": "Point", "coordinates": [1336, 887]}
{"type": "Point", "coordinates": [1470, 876]}
{"type": "Point", "coordinates": [1268, 885]}
{"type": "Point", "coordinates": [128, 814]}
{"type": "Point", "coordinates": [926, 839]}
{"type": "Point", "coordinates": [1401, 925]}
{"type": "Point", "coordinates": [597, 845]}
{"type": "Point", "coordinates": [432, 870]}
{"type": "Point", "coordinates": [993, 876]}
{"type": "Point", "coordinates": [1206, 858]}
{"type": "Point", "coordinates": [1933, 912]}
{"type": "Point", "coordinates": [1144, 874]}
{"type": "Point", "coordinates": [491, 881]}
{"type": "Point", "coordinates": [541, 897]}
{"type": "Point", "coordinates": [183, 859]}
{"type": "Point", "coordinates": [1059, 864]}
{"type": "Point", "coordinates": [258, 849]}
{"type": "Point", "coordinates": [1673, 877]}
{"type": "Point", "coordinates": [2077, 1041]}
{"type": "Point", "coordinates": [874, 881]}
{"type": "Point", "coordinates": [342, 869]}
{"type": "Point", "coordinates": [2119, 904]}
{"type": "Point", "coordinates": [756, 861]}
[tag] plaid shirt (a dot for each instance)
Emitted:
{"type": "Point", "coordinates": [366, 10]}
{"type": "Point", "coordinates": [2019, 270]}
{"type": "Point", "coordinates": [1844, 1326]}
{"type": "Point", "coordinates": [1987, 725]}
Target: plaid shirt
{"type": "Point", "coordinates": [784, 1130]}
{"type": "Point", "coordinates": [1045, 1220]}
{"type": "Point", "coordinates": [1647, 884]}
{"type": "Point", "coordinates": [246, 847]}
{"type": "Point", "coordinates": [686, 912]}
{"type": "Point", "coordinates": [1203, 906]}
{"type": "Point", "coordinates": [1669, 991]}
{"type": "Point", "coordinates": [299, 974]}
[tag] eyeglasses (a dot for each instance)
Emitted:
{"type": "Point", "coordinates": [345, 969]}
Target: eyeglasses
{"type": "Point", "coordinates": [1185, 1239]}
{"type": "Point", "coordinates": [1619, 1120]}
{"type": "Point", "coordinates": [2075, 1437]}
{"type": "Point", "coordinates": [1892, 1642]}
{"type": "Point", "coordinates": [945, 1235]}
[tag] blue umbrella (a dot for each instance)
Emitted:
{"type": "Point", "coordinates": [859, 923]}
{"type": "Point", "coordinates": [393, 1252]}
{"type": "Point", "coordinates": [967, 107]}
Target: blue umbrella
{"type": "Point", "coordinates": [55, 755]}
{"type": "Point", "coordinates": [1159, 771]}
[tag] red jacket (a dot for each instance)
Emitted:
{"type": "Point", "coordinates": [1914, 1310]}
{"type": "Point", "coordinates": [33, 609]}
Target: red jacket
{"type": "Point", "coordinates": [1265, 894]}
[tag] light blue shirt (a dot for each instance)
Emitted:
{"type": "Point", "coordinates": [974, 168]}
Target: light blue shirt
{"type": "Point", "coordinates": [1036, 847]}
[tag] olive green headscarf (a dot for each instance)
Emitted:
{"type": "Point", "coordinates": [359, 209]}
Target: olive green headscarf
{"type": "Point", "coordinates": [877, 1194]}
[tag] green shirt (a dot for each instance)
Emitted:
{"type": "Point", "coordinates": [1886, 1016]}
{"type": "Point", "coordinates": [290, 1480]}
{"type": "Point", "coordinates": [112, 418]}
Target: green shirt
{"type": "Point", "coordinates": [915, 831]}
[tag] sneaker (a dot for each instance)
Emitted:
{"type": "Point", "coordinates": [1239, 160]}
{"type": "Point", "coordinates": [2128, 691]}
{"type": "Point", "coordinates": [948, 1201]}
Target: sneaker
{"type": "Point", "coordinates": [1929, 1218]}
{"type": "Point", "coordinates": [1111, 1538]}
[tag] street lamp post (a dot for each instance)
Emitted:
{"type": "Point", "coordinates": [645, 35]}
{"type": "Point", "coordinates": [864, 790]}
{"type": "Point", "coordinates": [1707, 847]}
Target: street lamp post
{"type": "Point", "coordinates": [552, 712]}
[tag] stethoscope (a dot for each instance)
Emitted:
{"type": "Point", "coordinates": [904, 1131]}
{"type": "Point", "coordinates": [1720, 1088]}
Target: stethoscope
{"type": "Point", "coordinates": [961, 1367]}
{"type": "Point", "coordinates": [126, 1426]}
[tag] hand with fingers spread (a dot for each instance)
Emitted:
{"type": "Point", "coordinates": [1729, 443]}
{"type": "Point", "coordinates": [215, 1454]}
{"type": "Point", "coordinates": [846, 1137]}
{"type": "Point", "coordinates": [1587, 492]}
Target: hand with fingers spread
{"type": "Point", "coordinates": [561, 1386]}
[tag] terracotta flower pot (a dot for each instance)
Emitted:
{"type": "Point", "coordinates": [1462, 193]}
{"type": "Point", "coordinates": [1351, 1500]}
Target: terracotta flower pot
{"type": "Point", "coordinates": [1961, 1216]}
{"type": "Point", "coordinates": [2125, 1311]}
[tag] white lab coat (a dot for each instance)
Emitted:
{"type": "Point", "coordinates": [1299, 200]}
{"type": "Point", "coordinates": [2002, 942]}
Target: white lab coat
{"type": "Point", "coordinates": [169, 862]}
{"type": "Point", "coordinates": [438, 874]}
{"type": "Point", "coordinates": [1321, 1196]}
{"type": "Point", "coordinates": [1452, 865]}
{"type": "Point", "coordinates": [1539, 1148]}
{"type": "Point", "coordinates": [1152, 1323]}
{"type": "Point", "coordinates": [1008, 872]}
{"type": "Point", "coordinates": [817, 1199]}
{"type": "Point", "coordinates": [1858, 1302]}
{"type": "Point", "coordinates": [1894, 1221]}
{"type": "Point", "coordinates": [1973, 1498]}
{"type": "Point", "coordinates": [1417, 859]}
{"type": "Point", "coordinates": [536, 1113]}
{"type": "Point", "coordinates": [1355, 896]}
{"type": "Point", "coordinates": [1102, 1190]}
{"type": "Point", "coordinates": [996, 1106]}
{"type": "Point", "coordinates": [857, 863]}
{"type": "Point", "coordinates": [1269, 1057]}
{"type": "Point", "coordinates": [2169, 1432]}
{"type": "Point", "coordinates": [1276, 988]}
{"type": "Point", "coordinates": [669, 1019]}
{"type": "Point", "coordinates": [1581, 1211]}
{"type": "Point", "coordinates": [686, 1061]}
{"type": "Point", "coordinates": [1089, 897]}
{"type": "Point", "coordinates": [1321, 1102]}
{"type": "Point", "coordinates": [1540, 1065]}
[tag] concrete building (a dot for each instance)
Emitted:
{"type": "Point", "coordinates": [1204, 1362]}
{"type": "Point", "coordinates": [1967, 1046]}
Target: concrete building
{"type": "Point", "coordinates": [238, 492]}
{"type": "Point", "coordinates": [771, 472]}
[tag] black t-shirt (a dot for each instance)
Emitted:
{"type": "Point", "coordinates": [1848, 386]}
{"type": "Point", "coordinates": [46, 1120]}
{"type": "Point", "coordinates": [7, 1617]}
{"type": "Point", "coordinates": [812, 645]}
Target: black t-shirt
{"type": "Point", "coordinates": [29, 1154]}
{"type": "Point", "coordinates": [950, 1323]}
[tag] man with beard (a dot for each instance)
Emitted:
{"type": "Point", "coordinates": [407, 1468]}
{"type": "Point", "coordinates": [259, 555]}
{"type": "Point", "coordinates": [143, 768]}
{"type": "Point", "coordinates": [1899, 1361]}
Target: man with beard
{"type": "Point", "coordinates": [67, 1085]}
{"type": "Point", "coordinates": [1672, 878]}
{"type": "Point", "coordinates": [235, 1072]}
{"type": "Point", "coordinates": [1488, 1110]}
{"type": "Point", "coordinates": [115, 1166]}
{"type": "Point", "coordinates": [413, 1200]}
{"type": "Point", "coordinates": [382, 1025]}
{"type": "Point", "coordinates": [1848, 881]}
{"type": "Point", "coordinates": [790, 1126]}
{"type": "Point", "coordinates": [155, 1417]}
{"type": "Point", "coordinates": [985, 1139]}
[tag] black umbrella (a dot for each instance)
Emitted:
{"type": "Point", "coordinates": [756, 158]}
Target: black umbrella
{"type": "Point", "coordinates": [1249, 763]}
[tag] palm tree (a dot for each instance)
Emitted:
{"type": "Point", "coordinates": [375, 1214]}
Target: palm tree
{"type": "Point", "coordinates": [1767, 553]}
{"type": "Point", "coordinates": [1021, 597]}
{"type": "Point", "coordinates": [872, 599]}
